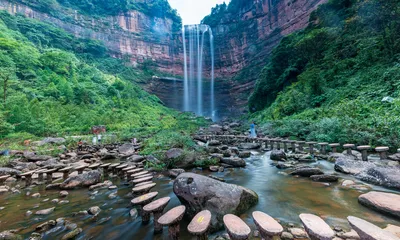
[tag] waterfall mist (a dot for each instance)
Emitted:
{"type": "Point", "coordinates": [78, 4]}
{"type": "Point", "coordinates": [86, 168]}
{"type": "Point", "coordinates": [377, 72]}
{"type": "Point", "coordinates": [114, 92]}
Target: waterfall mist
{"type": "Point", "coordinates": [193, 96]}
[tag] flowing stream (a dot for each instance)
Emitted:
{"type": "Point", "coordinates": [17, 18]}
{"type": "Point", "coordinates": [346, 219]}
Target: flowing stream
{"type": "Point", "coordinates": [283, 197]}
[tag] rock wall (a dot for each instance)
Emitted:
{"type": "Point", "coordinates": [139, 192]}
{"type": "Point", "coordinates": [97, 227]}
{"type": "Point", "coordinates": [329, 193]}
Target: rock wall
{"type": "Point", "coordinates": [135, 34]}
{"type": "Point", "coordinates": [247, 37]}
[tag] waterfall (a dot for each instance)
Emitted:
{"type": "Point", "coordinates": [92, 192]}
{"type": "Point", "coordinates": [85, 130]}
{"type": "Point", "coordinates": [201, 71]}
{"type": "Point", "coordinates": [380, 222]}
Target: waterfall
{"type": "Point", "coordinates": [194, 94]}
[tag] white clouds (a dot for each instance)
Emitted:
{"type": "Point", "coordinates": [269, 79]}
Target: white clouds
{"type": "Point", "coordinates": [193, 11]}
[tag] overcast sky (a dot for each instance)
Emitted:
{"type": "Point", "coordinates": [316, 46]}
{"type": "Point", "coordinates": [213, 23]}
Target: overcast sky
{"type": "Point", "coordinates": [193, 11]}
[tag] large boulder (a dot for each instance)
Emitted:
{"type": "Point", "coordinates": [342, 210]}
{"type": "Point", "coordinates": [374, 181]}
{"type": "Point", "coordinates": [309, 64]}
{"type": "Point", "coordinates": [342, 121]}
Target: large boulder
{"type": "Point", "coordinates": [9, 171]}
{"type": "Point", "coordinates": [250, 146]}
{"type": "Point", "coordinates": [348, 166]}
{"type": "Point", "coordinates": [127, 149]}
{"type": "Point", "coordinates": [278, 155]}
{"type": "Point", "coordinates": [199, 193]}
{"type": "Point", "coordinates": [174, 153]}
{"type": "Point", "coordinates": [307, 172]}
{"type": "Point", "coordinates": [384, 176]}
{"type": "Point", "coordinates": [234, 162]}
{"type": "Point", "coordinates": [83, 180]}
{"type": "Point", "coordinates": [388, 203]}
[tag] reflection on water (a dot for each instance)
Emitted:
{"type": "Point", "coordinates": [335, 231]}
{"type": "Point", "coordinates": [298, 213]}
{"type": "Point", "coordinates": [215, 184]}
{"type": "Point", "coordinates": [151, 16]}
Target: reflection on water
{"type": "Point", "coordinates": [283, 197]}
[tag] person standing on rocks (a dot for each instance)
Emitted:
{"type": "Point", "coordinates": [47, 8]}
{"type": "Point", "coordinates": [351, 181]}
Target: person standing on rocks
{"type": "Point", "coordinates": [80, 145]}
{"type": "Point", "coordinates": [253, 133]}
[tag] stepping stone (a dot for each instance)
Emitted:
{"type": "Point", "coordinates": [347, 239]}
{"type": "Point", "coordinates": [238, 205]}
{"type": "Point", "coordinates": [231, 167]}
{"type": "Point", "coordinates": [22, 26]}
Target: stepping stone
{"type": "Point", "coordinates": [4, 178]}
{"type": "Point", "coordinates": [334, 147]}
{"type": "Point", "coordinates": [382, 152]}
{"type": "Point", "coordinates": [139, 174]}
{"type": "Point", "coordinates": [172, 219]}
{"type": "Point", "coordinates": [94, 166]}
{"type": "Point", "coordinates": [143, 176]}
{"type": "Point", "coordinates": [266, 225]}
{"type": "Point", "coordinates": [143, 183]}
{"type": "Point", "coordinates": [122, 166]}
{"type": "Point", "coordinates": [349, 148]}
{"type": "Point", "coordinates": [364, 151]}
{"type": "Point", "coordinates": [81, 168]}
{"type": "Point", "coordinates": [128, 169]}
{"type": "Point", "coordinates": [157, 207]}
{"type": "Point", "coordinates": [323, 147]}
{"type": "Point", "coordinates": [143, 200]}
{"type": "Point", "coordinates": [143, 189]}
{"type": "Point", "coordinates": [141, 180]}
{"type": "Point", "coordinates": [65, 172]}
{"type": "Point", "coordinates": [135, 171]}
{"type": "Point", "coordinates": [316, 228]}
{"type": "Point", "coordinates": [49, 175]}
{"type": "Point", "coordinates": [200, 224]}
{"type": "Point", "coordinates": [369, 231]}
{"type": "Point", "coordinates": [105, 165]}
{"type": "Point", "coordinates": [236, 228]}
{"type": "Point", "coordinates": [28, 177]}
{"type": "Point", "coordinates": [388, 203]}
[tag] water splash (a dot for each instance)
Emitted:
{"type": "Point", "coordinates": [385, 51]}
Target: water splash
{"type": "Point", "coordinates": [194, 97]}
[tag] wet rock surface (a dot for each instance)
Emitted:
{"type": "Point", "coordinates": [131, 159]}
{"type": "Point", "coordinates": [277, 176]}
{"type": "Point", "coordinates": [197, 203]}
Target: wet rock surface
{"type": "Point", "coordinates": [388, 203]}
{"type": "Point", "coordinates": [83, 180]}
{"type": "Point", "coordinates": [199, 193]}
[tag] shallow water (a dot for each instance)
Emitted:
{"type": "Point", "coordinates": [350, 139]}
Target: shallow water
{"type": "Point", "coordinates": [281, 196]}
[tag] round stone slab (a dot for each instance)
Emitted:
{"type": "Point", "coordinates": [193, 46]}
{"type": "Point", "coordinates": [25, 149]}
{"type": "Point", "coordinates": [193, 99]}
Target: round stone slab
{"type": "Point", "coordinates": [157, 205]}
{"type": "Point", "coordinates": [236, 228]}
{"type": "Point", "coordinates": [367, 230]}
{"type": "Point", "coordinates": [139, 174]}
{"type": "Point", "coordinates": [122, 166]}
{"type": "Point", "coordinates": [114, 165]}
{"type": "Point", "coordinates": [136, 170]}
{"type": "Point", "coordinates": [382, 149]}
{"type": "Point", "coordinates": [200, 223]}
{"type": "Point", "coordinates": [144, 199]}
{"type": "Point", "coordinates": [144, 176]}
{"type": "Point", "coordinates": [140, 180]}
{"type": "Point", "coordinates": [143, 188]}
{"type": "Point", "coordinates": [266, 224]}
{"type": "Point", "coordinates": [334, 145]}
{"type": "Point", "coordinates": [172, 216]}
{"type": "Point", "coordinates": [366, 147]}
{"type": "Point", "coordinates": [143, 183]}
{"type": "Point", "coordinates": [316, 227]}
{"type": "Point", "coordinates": [105, 165]}
{"type": "Point", "coordinates": [388, 203]}
{"type": "Point", "coordinates": [349, 145]}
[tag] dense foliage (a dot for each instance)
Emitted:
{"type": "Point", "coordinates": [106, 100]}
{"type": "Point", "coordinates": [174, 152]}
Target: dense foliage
{"type": "Point", "coordinates": [328, 81]}
{"type": "Point", "coordinates": [222, 11]}
{"type": "Point", "coordinates": [99, 8]}
{"type": "Point", "coordinates": [53, 83]}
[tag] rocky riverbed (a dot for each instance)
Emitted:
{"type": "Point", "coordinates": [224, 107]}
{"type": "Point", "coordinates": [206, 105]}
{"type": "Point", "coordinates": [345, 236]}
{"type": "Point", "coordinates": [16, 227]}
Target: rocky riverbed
{"type": "Point", "coordinates": [245, 178]}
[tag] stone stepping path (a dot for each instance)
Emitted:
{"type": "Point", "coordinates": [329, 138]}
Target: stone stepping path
{"type": "Point", "coordinates": [143, 189]}
{"type": "Point", "coordinates": [367, 230]}
{"type": "Point", "coordinates": [237, 229]}
{"type": "Point", "coordinates": [266, 225]}
{"type": "Point", "coordinates": [66, 171]}
{"type": "Point", "coordinates": [157, 207]}
{"type": "Point", "coordinates": [388, 203]}
{"type": "Point", "coordinates": [172, 219]}
{"type": "Point", "coordinates": [200, 224]}
{"type": "Point", "coordinates": [316, 228]}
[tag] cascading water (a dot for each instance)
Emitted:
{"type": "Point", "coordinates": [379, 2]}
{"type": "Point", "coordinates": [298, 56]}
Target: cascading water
{"type": "Point", "coordinates": [193, 70]}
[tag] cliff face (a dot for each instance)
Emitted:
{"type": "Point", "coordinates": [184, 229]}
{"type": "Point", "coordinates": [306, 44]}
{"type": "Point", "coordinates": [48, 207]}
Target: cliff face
{"type": "Point", "coordinates": [256, 28]}
{"type": "Point", "coordinates": [134, 34]}
{"type": "Point", "coordinates": [244, 39]}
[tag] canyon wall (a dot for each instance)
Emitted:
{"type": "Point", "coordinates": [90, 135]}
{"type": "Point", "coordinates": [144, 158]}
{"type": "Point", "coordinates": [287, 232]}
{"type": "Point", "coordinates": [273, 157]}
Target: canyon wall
{"type": "Point", "coordinates": [243, 42]}
{"type": "Point", "coordinates": [244, 39]}
{"type": "Point", "coordinates": [134, 34]}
